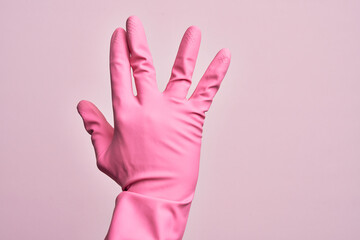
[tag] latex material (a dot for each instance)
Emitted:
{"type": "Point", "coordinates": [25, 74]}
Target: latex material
{"type": "Point", "coordinates": [153, 151]}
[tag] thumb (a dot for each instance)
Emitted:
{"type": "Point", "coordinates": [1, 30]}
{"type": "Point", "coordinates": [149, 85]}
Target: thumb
{"type": "Point", "coordinates": [96, 125]}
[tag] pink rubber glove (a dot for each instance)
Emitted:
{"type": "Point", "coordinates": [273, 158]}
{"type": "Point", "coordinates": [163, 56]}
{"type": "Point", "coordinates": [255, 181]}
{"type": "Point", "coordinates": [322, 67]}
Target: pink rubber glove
{"type": "Point", "coordinates": [153, 151]}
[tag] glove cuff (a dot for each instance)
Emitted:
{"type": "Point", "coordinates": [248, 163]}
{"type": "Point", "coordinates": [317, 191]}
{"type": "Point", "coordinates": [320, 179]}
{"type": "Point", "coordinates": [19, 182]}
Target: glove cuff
{"type": "Point", "coordinates": [137, 216]}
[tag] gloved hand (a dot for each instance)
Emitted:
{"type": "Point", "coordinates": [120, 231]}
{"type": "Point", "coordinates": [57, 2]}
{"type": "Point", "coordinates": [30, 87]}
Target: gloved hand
{"type": "Point", "coordinates": [154, 148]}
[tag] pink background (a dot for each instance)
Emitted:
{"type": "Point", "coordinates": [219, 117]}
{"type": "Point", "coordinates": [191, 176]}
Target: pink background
{"type": "Point", "coordinates": [281, 149]}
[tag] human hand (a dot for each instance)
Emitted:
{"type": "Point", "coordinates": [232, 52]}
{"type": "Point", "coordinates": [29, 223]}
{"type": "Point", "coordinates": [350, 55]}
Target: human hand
{"type": "Point", "coordinates": [154, 147]}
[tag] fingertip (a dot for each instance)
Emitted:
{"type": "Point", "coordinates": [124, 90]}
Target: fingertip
{"type": "Point", "coordinates": [81, 105]}
{"type": "Point", "coordinates": [85, 107]}
{"type": "Point", "coordinates": [194, 30]}
{"type": "Point", "coordinates": [132, 18]}
{"type": "Point", "coordinates": [117, 34]}
{"type": "Point", "coordinates": [194, 27]}
{"type": "Point", "coordinates": [222, 59]}
{"type": "Point", "coordinates": [225, 53]}
{"type": "Point", "coordinates": [86, 111]}
{"type": "Point", "coordinates": [131, 22]}
{"type": "Point", "coordinates": [193, 35]}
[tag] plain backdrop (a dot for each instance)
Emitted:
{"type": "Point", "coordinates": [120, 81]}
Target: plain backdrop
{"type": "Point", "coordinates": [281, 147]}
